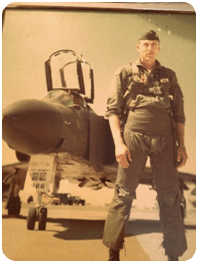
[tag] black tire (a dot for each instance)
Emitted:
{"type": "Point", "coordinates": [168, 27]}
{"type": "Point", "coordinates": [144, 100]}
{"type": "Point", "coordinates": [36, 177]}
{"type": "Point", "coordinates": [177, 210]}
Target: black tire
{"type": "Point", "coordinates": [42, 218]}
{"type": "Point", "coordinates": [14, 206]}
{"type": "Point", "coordinates": [31, 219]}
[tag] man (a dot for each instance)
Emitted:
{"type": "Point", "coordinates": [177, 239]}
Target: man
{"type": "Point", "coordinates": [148, 96]}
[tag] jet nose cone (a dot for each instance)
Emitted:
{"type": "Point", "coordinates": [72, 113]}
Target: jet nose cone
{"type": "Point", "coordinates": [32, 126]}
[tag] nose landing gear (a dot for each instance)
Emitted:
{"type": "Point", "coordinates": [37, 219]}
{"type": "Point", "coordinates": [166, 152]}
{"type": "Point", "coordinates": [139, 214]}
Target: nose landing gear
{"type": "Point", "coordinates": [37, 214]}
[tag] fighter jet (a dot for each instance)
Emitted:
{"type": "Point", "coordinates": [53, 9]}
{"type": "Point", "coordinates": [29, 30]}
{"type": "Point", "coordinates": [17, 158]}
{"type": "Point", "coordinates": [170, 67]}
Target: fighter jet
{"type": "Point", "coordinates": [60, 137]}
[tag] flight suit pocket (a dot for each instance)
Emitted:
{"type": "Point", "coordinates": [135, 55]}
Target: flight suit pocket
{"type": "Point", "coordinates": [165, 86]}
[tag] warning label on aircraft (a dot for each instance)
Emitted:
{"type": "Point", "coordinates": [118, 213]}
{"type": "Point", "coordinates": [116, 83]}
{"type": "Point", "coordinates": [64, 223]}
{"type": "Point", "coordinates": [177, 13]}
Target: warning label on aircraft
{"type": "Point", "coordinates": [41, 169]}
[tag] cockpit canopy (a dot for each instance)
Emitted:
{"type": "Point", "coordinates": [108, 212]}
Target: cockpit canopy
{"type": "Point", "coordinates": [69, 99]}
{"type": "Point", "coordinates": [65, 70]}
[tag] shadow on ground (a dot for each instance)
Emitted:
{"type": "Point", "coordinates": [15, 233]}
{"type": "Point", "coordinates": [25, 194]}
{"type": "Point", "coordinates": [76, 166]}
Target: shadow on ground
{"type": "Point", "coordinates": [78, 229]}
{"type": "Point", "coordinates": [93, 229]}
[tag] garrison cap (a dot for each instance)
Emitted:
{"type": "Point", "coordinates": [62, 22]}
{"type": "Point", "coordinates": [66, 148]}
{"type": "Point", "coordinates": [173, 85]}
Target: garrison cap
{"type": "Point", "coordinates": [150, 35]}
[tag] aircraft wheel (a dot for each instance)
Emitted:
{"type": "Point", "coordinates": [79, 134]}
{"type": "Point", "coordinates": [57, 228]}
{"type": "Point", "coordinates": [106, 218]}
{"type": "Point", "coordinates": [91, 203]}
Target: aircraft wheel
{"type": "Point", "coordinates": [14, 206]}
{"type": "Point", "coordinates": [42, 218]}
{"type": "Point", "coordinates": [31, 219]}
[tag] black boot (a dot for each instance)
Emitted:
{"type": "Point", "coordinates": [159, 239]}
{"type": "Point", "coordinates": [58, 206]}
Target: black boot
{"type": "Point", "coordinates": [172, 258]}
{"type": "Point", "coordinates": [114, 255]}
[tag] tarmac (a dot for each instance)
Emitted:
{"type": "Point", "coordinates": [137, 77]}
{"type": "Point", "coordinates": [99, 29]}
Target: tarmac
{"type": "Point", "coordinates": [74, 233]}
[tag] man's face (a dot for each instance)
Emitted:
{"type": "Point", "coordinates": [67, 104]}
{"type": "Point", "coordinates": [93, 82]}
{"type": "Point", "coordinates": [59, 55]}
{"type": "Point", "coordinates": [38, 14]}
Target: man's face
{"type": "Point", "coordinates": [148, 49]}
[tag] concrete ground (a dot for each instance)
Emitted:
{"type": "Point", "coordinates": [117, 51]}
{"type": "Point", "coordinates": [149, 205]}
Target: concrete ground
{"type": "Point", "coordinates": [74, 233]}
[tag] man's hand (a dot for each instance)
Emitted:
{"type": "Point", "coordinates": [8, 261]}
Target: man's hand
{"type": "Point", "coordinates": [181, 151]}
{"type": "Point", "coordinates": [123, 155]}
{"type": "Point", "coordinates": [181, 156]}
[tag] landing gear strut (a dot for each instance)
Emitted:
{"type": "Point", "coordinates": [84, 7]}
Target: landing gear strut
{"type": "Point", "coordinates": [41, 172]}
{"type": "Point", "coordinates": [14, 203]}
{"type": "Point", "coordinates": [14, 206]}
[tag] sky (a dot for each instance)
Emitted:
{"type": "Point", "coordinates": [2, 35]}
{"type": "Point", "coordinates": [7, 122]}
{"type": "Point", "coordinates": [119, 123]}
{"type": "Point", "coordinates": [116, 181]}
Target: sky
{"type": "Point", "coordinates": [107, 41]}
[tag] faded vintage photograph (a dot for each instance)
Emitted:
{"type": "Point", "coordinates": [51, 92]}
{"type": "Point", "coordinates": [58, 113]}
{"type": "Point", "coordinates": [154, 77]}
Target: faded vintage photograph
{"type": "Point", "coordinates": [98, 131]}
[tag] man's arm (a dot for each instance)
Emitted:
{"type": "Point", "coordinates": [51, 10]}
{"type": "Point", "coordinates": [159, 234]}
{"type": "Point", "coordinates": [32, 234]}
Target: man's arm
{"type": "Point", "coordinates": [122, 153]}
{"type": "Point", "coordinates": [181, 151]}
{"type": "Point", "coordinates": [179, 117]}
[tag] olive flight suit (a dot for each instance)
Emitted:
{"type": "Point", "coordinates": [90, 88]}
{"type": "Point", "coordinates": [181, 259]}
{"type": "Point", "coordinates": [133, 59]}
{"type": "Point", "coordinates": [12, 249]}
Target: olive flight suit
{"type": "Point", "coordinates": [151, 102]}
